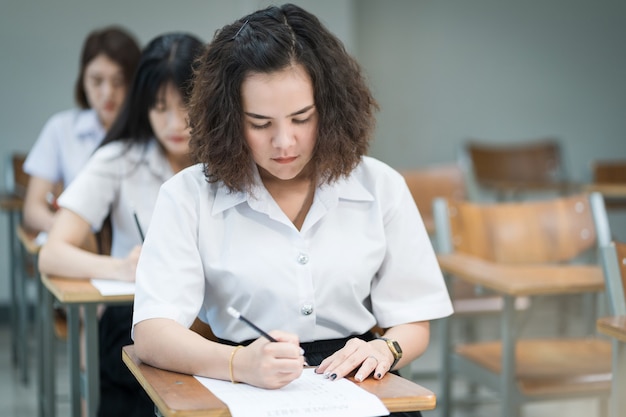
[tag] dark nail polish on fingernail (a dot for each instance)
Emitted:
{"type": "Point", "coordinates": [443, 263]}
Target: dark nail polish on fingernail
{"type": "Point", "coordinates": [333, 377]}
{"type": "Point", "coordinates": [379, 375]}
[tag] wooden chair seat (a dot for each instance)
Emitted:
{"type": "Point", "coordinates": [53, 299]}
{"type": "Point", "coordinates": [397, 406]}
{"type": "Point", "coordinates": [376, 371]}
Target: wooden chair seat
{"type": "Point", "coordinates": [558, 359]}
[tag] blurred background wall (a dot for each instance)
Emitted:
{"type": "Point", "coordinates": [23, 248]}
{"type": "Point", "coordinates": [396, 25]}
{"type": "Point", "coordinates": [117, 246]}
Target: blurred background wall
{"type": "Point", "coordinates": [442, 70]}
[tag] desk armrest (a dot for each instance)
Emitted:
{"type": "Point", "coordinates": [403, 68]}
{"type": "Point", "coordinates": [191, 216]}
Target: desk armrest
{"type": "Point", "coordinates": [523, 280]}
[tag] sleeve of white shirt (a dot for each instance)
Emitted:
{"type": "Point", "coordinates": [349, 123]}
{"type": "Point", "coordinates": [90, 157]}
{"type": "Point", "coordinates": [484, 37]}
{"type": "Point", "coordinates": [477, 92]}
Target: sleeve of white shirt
{"type": "Point", "coordinates": [44, 158]}
{"type": "Point", "coordinates": [409, 284]}
{"type": "Point", "coordinates": [170, 280]}
{"type": "Point", "coordinates": [93, 191]}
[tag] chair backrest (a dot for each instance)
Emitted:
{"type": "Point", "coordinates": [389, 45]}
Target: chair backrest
{"type": "Point", "coordinates": [16, 179]}
{"type": "Point", "coordinates": [428, 182]}
{"type": "Point", "coordinates": [527, 232]}
{"type": "Point", "coordinates": [523, 166]}
{"type": "Point", "coordinates": [609, 171]}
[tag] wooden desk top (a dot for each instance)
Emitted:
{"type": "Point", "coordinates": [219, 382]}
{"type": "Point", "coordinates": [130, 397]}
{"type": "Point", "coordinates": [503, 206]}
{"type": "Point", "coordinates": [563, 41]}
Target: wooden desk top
{"type": "Point", "coordinates": [525, 279]}
{"type": "Point", "coordinates": [182, 395]}
{"type": "Point", "coordinates": [79, 291]}
{"type": "Point", "coordinates": [613, 326]}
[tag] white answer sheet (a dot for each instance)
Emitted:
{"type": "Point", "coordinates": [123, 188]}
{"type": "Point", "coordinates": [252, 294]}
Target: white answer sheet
{"type": "Point", "coordinates": [113, 287]}
{"type": "Point", "coordinates": [311, 395]}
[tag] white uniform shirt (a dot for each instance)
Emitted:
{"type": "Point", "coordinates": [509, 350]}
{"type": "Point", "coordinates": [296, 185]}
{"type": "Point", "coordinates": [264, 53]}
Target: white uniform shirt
{"type": "Point", "coordinates": [362, 257]}
{"type": "Point", "coordinates": [64, 145]}
{"type": "Point", "coordinates": [119, 180]}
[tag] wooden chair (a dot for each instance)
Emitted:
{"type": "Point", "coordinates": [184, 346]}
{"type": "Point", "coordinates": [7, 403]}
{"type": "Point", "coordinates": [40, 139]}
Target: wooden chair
{"type": "Point", "coordinates": [609, 178]}
{"type": "Point", "coordinates": [446, 181]}
{"type": "Point", "coordinates": [512, 170]}
{"type": "Point", "coordinates": [427, 183]}
{"type": "Point", "coordinates": [522, 249]}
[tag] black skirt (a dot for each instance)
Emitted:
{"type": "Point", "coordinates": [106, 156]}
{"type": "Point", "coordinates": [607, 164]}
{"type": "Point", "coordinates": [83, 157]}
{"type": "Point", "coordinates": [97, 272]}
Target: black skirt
{"type": "Point", "coordinates": [120, 393]}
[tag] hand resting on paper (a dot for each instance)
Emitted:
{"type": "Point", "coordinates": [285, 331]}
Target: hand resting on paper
{"type": "Point", "coordinates": [371, 358]}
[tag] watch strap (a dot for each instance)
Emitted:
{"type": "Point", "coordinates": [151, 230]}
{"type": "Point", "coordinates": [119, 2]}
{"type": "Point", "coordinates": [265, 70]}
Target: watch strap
{"type": "Point", "coordinates": [395, 349]}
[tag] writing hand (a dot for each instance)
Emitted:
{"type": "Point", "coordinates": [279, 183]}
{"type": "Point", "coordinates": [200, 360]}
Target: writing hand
{"type": "Point", "coordinates": [268, 364]}
{"type": "Point", "coordinates": [128, 265]}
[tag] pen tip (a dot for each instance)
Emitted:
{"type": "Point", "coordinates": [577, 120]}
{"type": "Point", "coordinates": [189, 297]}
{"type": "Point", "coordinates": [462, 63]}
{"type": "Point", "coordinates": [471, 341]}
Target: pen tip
{"type": "Point", "coordinates": [233, 312]}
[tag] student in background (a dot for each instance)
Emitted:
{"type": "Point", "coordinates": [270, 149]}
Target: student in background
{"type": "Point", "coordinates": [285, 219]}
{"type": "Point", "coordinates": [107, 63]}
{"type": "Point", "coordinates": [146, 145]}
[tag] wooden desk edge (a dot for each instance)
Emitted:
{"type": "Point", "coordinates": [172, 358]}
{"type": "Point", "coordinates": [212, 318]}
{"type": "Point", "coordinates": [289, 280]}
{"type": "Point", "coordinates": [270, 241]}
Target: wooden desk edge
{"type": "Point", "coordinates": [614, 326]}
{"type": "Point", "coordinates": [80, 291]}
{"type": "Point", "coordinates": [28, 239]}
{"type": "Point", "coordinates": [477, 272]}
{"type": "Point", "coordinates": [423, 399]}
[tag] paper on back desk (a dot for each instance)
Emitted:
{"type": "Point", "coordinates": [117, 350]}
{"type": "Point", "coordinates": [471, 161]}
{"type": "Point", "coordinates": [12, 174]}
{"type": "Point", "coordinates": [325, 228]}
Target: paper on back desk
{"type": "Point", "coordinates": [311, 395]}
{"type": "Point", "coordinates": [113, 287]}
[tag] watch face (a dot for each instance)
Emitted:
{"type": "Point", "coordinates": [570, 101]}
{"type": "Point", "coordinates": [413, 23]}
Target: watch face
{"type": "Point", "coordinates": [397, 347]}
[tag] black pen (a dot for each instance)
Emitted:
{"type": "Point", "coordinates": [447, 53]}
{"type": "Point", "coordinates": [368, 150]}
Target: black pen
{"type": "Point", "coordinates": [236, 314]}
{"type": "Point", "coordinates": [138, 225]}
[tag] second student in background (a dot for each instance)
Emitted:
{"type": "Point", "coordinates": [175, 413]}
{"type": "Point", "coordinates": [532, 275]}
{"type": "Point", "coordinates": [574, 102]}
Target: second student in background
{"type": "Point", "coordinates": [147, 144]}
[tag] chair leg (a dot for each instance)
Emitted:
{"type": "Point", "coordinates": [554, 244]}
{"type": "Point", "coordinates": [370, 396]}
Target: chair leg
{"type": "Point", "coordinates": [445, 395]}
{"type": "Point", "coordinates": [468, 332]}
{"type": "Point", "coordinates": [507, 386]}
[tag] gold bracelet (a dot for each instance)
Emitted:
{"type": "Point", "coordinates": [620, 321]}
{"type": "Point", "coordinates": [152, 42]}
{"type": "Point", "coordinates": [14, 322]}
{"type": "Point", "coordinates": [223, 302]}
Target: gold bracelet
{"type": "Point", "coordinates": [230, 363]}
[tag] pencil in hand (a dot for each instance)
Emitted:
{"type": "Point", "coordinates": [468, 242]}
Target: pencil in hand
{"type": "Point", "coordinates": [236, 314]}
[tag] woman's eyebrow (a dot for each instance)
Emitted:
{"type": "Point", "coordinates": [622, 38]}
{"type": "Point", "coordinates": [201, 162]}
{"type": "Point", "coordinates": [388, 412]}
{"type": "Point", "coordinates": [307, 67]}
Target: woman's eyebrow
{"type": "Point", "coordinates": [259, 116]}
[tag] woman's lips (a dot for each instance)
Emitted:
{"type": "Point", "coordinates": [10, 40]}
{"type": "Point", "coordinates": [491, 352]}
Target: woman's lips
{"type": "Point", "coordinates": [285, 160]}
{"type": "Point", "coordinates": [177, 139]}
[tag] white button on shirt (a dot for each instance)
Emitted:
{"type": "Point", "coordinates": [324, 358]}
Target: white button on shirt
{"type": "Point", "coordinates": [362, 257]}
{"type": "Point", "coordinates": [64, 145]}
{"type": "Point", "coordinates": [121, 180]}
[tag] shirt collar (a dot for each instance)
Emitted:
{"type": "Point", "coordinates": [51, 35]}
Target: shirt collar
{"type": "Point", "coordinates": [88, 125]}
{"type": "Point", "coordinates": [152, 154]}
{"type": "Point", "coordinates": [350, 188]}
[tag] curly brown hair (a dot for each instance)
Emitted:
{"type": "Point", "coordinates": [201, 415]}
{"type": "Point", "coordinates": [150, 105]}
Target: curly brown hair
{"type": "Point", "coordinates": [267, 41]}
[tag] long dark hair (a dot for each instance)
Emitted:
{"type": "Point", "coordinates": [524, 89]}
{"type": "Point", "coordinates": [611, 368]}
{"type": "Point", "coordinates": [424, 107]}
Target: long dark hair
{"type": "Point", "coordinates": [118, 45]}
{"type": "Point", "coordinates": [167, 58]}
{"type": "Point", "coordinates": [263, 42]}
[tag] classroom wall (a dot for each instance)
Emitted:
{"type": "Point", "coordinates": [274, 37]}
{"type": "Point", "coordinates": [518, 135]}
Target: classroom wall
{"type": "Point", "coordinates": [442, 70]}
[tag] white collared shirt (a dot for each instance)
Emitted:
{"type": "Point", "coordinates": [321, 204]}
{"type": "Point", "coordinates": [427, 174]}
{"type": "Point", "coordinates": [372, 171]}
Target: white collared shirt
{"type": "Point", "coordinates": [65, 143]}
{"type": "Point", "coordinates": [119, 179]}
{"type": "Point", "coordinates": [362, 257]}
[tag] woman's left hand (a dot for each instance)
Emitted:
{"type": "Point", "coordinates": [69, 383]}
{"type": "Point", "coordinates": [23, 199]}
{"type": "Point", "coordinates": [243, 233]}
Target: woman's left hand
{"type": "Point", "coordinates": [368, 358]}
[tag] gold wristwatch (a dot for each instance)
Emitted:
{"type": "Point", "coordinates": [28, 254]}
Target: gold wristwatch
{"type": "Point", "coordinates": [395, 349]}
